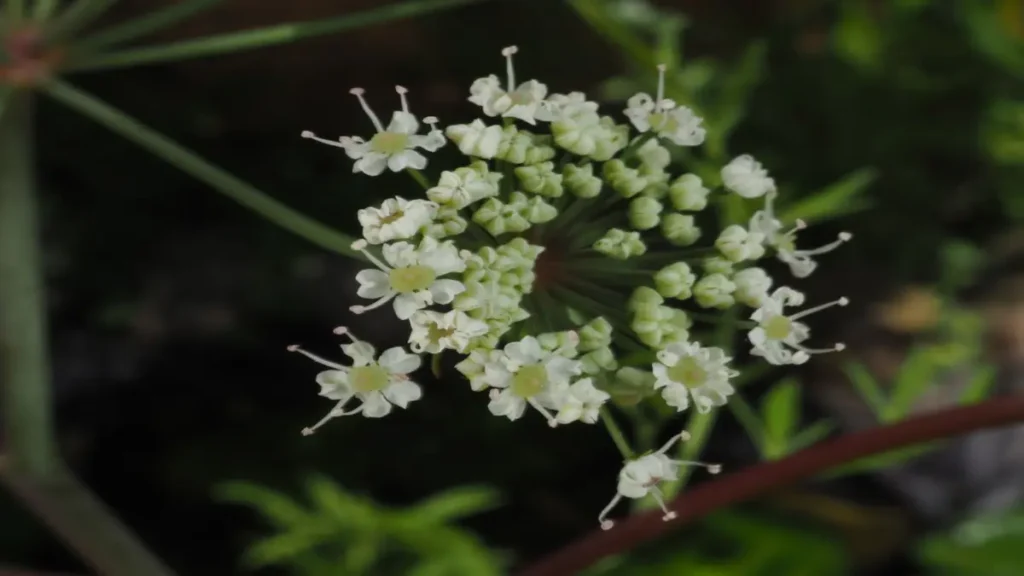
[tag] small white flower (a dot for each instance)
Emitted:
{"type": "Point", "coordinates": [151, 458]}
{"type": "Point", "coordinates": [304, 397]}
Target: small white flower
{"type": "Point", "coordinates": [476, 138]}
{"type": "Point", "coordinates": [667, 119]}
{"type": "Point", "coordinates": [777, 337]}
{"type": "Point", "coordinates": [641, 477]}
{"type": "Point", "coordinates": [393, 147]}
{"type": "Point", "coordinates": [685, 370]}
{"type": "Point", "coordinates": [378, 383]}
{"type": "Point", "coordinates": [800, 262]}
{"type": "Point", "coordinates": [569, 105]}
{"type": "Point", "coordinates": [396, 219]}
{"type": "Point", "coordinates": [745, 176]}
{"type": "Point", "coordinates": [523, 102]}
{"type": "Point", "coordinates": [433, 332]}
{"type": "Point", "coordinates": [527, 374]}
{"type": "Point", "coordinates": [581, 401]}
{"type": "Point", "coordinates": [411, 277]}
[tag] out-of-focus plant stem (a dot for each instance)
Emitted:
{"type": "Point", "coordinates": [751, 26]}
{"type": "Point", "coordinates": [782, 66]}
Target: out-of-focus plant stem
{"type": "Point", "coordinates": [29, 463]}
{"type": "Point", "coordinates": [24, 363]}
{"type": "Point", "coordinates": [761, 479]}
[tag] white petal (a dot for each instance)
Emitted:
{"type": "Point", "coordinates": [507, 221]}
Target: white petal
{"type": "Point", "coordinates": [406, 305]}
{"type": "Point", "coordinates": [374, 405]}
{"type": "Point", "coordinates": [398, 361]}
{"type": "Point", "coordinates": [507, 404]}
{"type": "Point", "coordinates": [402, 393]}
{"type": "Point", "coordinates": [443, 291]}
{"type": "Point", "coordinates": [373, 284]}
{"type": "Point", "coordinates": [372, 164]}
{"type": "Point", "coordinates": [361, 353]}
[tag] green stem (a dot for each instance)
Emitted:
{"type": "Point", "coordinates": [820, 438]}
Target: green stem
{"type": "Point", "coordinates": [30, 465]}
{"type": "Point", "coordinates": [77, 16]}
{"type": "Point", "coordinates": [419, 178]}
{"type": "Point", "coordinates": [143, 25]}
{"type": "Point", "coordinates": [187, 161]}
{"type": "Point", "coordinates": [258, 38]}
{"type": "Point", "coordinates": [24, 361]}
{"type": "Point", "coordinates": [616, 433]}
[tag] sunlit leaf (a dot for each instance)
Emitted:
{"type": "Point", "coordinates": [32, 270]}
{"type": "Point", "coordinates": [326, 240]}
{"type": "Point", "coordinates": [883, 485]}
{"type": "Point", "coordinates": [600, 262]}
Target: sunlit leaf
{"type": "Point", "coordinates": [840, 198]}
{"type": "Point", "coordinates": [278, 508]}
{"type": "Point", "coordinates": [455, 504]}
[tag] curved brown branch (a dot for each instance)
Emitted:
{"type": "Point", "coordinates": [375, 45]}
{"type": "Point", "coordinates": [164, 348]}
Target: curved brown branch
{"type": "Point", "coordinates": [757, 480]}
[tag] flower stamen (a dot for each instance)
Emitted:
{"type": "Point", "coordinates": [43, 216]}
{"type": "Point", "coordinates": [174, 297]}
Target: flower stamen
{"type": "Point", "coordinates": [358, 93]}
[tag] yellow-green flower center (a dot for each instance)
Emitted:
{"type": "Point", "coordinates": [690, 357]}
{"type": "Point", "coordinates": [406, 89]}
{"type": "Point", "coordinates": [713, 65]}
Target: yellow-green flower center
{"type": "Point", "coordinates": [435, 333]}
{"type": "Point", "coordinates": [411, 279]}
{"type": "Point", "coordinates": [777, 327]}
{"type": "Point", "coordinates": [663, 121]}
{"type": "Point", "coordinates": [368, 378]}
{"type": "Point", "coordinates": [389, 142]}
{"type": "Point", "coordinates": [688, 372]}
{"type": "Point", "coordinates": [786, 243]}
{"type": "Point", "coordinates": [392, 218]}
{"type": "Point", "coordinates": [530, 380]}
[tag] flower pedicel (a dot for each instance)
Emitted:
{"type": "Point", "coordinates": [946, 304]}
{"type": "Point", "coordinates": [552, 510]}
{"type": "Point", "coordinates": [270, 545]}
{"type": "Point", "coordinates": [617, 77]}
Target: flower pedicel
{"type": "Point", "coordinates": [557, 251]}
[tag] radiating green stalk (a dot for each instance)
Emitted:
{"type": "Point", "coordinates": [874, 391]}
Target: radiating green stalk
{"type": "Point", "coordinates": [44, 9]}
{"type": "Point", "coordinates": [616, 433]}
{"type": "Point", "coordinates": [75, 515]}
{"type": "Point", "coordinates": [79, 15]}
{"type": "Point", "coordinates": [24, 360]}
{"type": "Point", "coordinates": [220, 180]}
{"type": "Point", "coordinates": [258, 38]}
{"type": "Point", "coordinates": [419, 178]}
{"type": "Point", "coordinates": [145, 25]}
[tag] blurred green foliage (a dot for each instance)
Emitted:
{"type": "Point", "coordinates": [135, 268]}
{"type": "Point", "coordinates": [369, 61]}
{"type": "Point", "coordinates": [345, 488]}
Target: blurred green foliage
{"type": "Point", "coordinates": [984, 546]}
{"type": "Point", "coordinates": [342, 531]}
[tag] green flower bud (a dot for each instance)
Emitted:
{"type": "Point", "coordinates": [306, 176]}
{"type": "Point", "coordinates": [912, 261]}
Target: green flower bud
{"type": "Point", "coordinates": [580, 180]}
{"type": "Point", "coordinates": [653, 155]}
{"type": "Point", "coordinates": [717, 265]}
{"type": "Point", "coordinates": [738, 244]}
{"type": "Point", "coordinates": [540, 179]}
{"type": "Point", "coordinates": [644, 213]}
{"type": "Point", "coordinates": [680, 229]}
{"type": "Point", "coordinates": [623, 179]}
{"type": "Point", "coordinates": [564, 343]}
{"type": "Point", "coordinates": [499, 218]}
{"type": "Point", "coordinates": [629, 386]}
{"type": "Point", "coordinates": [538, 211]}
{"type": "Point", "coordinates": [714, 291]}
{"type": "Point", "coordinates": [620, 244]}
{"type": "Point", "coordinates": [595, 334]}
{"type": "Point", "coordinates": [596, 361]}
{"type": "Point", "coordinates": [643, 297]}
{"type": "Point", "coordinates": [675, 281]}
{"type": "Point", "coordinates": [752, 285]}
{"type": "Point", "coordinates": [447, 222]}
{"type": "Point", "coordinates": [688, 193]}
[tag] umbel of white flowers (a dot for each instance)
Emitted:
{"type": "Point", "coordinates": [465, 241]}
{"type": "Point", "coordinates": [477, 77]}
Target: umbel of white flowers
{"type": "Point", "coordinates": [566, 240]}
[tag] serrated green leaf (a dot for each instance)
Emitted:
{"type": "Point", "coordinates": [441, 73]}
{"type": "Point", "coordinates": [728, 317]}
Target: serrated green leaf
{"type": "Point", "coordinates": [275, 506]}
{"type": "Point", "coordinates": [866, 385]}
{"type": "Point", "coordinates": [781, 410]}
{"type": "Point", "coordinates": [454, 505]}
{"type": "Point", "coordinates": [840, 198]}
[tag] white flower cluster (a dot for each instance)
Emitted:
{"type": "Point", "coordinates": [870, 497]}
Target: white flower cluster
{"type": "Point", "coordinates": [557, 250]}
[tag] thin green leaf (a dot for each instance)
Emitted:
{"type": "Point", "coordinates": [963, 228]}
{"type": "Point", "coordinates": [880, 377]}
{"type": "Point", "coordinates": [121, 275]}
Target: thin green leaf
{"type": "Point", "coordinates": [362, 554]}
{"type": "Point", "coordinates": [866, 385]}
{"type": "Point", "coordinates": [979, 386]}
{"type": "Point", "coordinates": [841, 198]}
{"type": "Point", "coordinates": [283, 548]}
{"type": "Point", "coordinates": [260, 37]}
{"type": "Point", "coordinates": [880, 461]}
{"type": "Point", "coordinates": [753, 425]}
{"type": "Point", "coordinates": [79, 15]}
{"type": "Point", "coordinates": [615, 31]}
{"type": "Point", "coordinates": [145, 25]}
{"type": "Point", "coordinates": [455, 504]}
{"type": "Point", "coordinates": [347, 510]}
{"type": "Point", "coordinates": [275, 506]}
{"type": "Point", "coordinates": [190, 163]}
{"type": "Point", "coordinates": [810, 436]}
{"type": "Point", "coordinates": [782, 412]}
{"type": "Point", "coordinates": [916, 375]}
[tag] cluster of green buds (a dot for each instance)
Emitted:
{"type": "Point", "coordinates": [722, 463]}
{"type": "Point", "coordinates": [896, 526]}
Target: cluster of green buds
{"type": "Point", "coordinates": [564, 261]}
